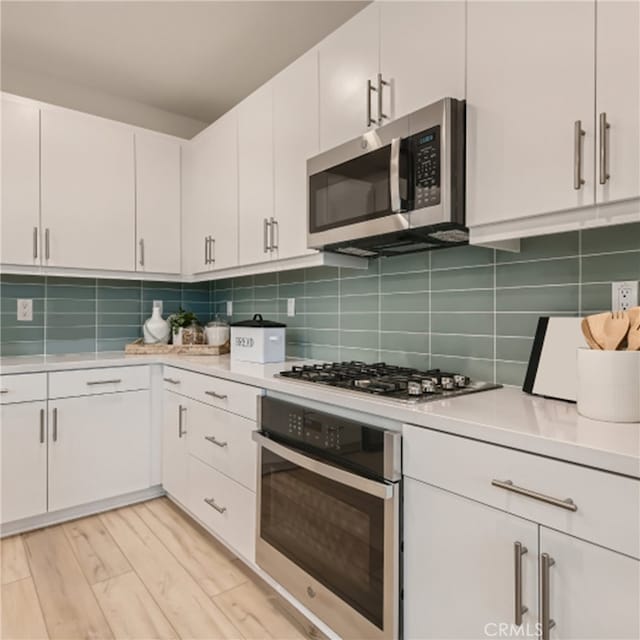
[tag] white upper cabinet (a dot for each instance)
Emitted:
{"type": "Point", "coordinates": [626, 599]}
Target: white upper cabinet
{"type": "Point", "coordinates": [210, 198]}
{"type": "Point", "coordinates": [348, 61]}
{"type": "Point", "coordinates": [20, 183]}
{"type": "Point", "coordinates": [87, 190]}
{"type": "Point", "coordinates": [618, 100]}
{"type": "Point", "coordinates": [530, 94]}
{"type": "Point", "coordinates": [255, 161]}
{"type": "Point", "coordinates": [157, 203]}
{"type": "Point", "coordinates": [422, 46]}
{"type": "Point", "coordinates": [296, 138]}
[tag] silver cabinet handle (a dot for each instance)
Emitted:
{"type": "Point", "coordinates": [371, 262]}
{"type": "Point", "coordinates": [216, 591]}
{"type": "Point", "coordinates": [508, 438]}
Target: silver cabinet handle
{"type": "Point", "coordinates": [213, 394]}
{"type": "Point", "coordinates": [578, 134]}
{"type": "Point", "coordinates": [394, 176]}
{"type": "Point", "coordinates": [218, 443]}
{"type": "Point", "coordinates": [4, 390]}
{"type": "Point", "coordinates": [47, 243]}
{"type": "Point", "coordinates": [518, 551]}
{"type": "Point", "coordinates": [206, 250]}
{"type": "Point", "coordinates": [370, 89]}
{"type": "Point", "coordinates": [212, 503]}
{"type": "Point", "coordinates": [93, 383]}
{"type": "Point", "coordinates": [181, 411]}
{"type": "Point", "coordinates": [546, 562]}
{"type": "Point", "coordinates": [212, 250]}
{"type": "Point", "coordinates": [266, 236]}
{"type": "Point", "coordinates": [55, 425]}
{"type": "Point", "coordinates": [508, 485]}
{"type": "Point", "coordinates": [171, 380]}
{"type": "Point", "coordinates": [141, 243]}
{"type": "Point", "coordinates": [35, 242]}
{"type": "Point", "coordinates": [381, 83]}
{"type": "Point", "coordinates": [274, 242]}
{"type": "Point", "coordinates": [604, 148]}
{"type": "Point", "coordinates": [41, 426]}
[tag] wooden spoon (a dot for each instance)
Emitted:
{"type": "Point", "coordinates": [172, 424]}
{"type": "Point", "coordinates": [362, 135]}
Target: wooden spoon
{"type": "Point", "coordinates": [586, 332]}
{"type": "Point", "coordinates": [616, 327]}
{"type": "Point", "coordinates": [633, 337]}
{"type": "Point", "coordinates": [596, 327]}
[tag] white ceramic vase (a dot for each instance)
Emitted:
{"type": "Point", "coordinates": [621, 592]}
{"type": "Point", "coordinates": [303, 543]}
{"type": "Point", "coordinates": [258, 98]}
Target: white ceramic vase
{"type": "Point", "coordinates": [156, 330]}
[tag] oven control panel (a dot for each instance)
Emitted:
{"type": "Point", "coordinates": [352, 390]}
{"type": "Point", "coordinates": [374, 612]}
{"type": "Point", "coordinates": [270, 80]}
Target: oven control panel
{"type": "Point", "coordinates": [305, 427]}
{"type": "Point", "coordinates": [426, 154]}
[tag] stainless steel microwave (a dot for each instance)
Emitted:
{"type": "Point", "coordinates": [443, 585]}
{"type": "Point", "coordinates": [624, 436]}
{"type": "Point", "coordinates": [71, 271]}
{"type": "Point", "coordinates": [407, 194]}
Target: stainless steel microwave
{"type": "Point", "coordinates": [394, 190]}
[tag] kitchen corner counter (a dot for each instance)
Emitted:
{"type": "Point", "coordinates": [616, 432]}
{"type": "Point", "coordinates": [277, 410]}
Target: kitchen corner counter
{"type": "Point", "coordinates": [506, 417]}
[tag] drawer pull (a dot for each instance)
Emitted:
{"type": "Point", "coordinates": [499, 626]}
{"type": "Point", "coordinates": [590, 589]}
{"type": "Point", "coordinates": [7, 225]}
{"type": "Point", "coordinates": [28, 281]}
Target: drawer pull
{"type": "Point", "coordinates": [181, 430]}
{"type": "Point", "coordinates": [213, 440]}
{"type": "Point", "coordinates": [508, 485]}
{"type": "Point", "coordinates": [518, 551]}
{"type": "Point", "coordinates": [4, 390]}
{"type": "Point", "coordinates": [546, 562]}
{"type": "Point", "coordinates": [171, 380]}
{"type": "Point", "coordinates": [92, 383]}
{"type": "Point", "coordinates": [213, 394]}
{"type": "Point", "coordinates": [212, 503]}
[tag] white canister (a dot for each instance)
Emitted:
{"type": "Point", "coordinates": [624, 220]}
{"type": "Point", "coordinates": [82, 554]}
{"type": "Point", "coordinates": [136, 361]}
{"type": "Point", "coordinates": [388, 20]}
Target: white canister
{"type": "Point", "coordinates": [258, 340]}
{"type": "Point", "coordinates": [609, 385]}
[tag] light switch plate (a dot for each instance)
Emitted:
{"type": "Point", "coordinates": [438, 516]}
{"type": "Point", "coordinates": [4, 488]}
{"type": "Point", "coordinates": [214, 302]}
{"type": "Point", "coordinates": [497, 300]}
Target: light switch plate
{"type": "Point", "coordinates": [291, 307]}
{"type": "Point", "coordinates": [25, 310]}
{"type": "Point", "coordinates": [229, 307]}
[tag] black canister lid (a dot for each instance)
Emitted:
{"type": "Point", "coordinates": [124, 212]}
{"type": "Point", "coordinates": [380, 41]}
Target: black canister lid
{"type": "Point", "coordinates": [258, 321]}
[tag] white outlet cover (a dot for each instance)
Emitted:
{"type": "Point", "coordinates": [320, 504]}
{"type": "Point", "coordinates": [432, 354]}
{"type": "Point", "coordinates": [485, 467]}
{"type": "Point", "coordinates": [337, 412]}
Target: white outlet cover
{"type": "Point", "coordinates": [624, 295]}
{"type": "Point", "coordinates": [25, 310]}
{"type": "Point", "coordinates": [291, 307]}
{"type": "Point", "coordinates": [229, 307]}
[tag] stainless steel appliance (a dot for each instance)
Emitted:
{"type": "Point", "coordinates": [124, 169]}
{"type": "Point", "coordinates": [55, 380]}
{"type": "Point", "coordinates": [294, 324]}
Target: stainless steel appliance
{"type": "Point", "coordinates": [328, 522]}
{"type": "Point", "coordinates": [394, 190]}
{"type": "Point", "coordinates": [403, 384]}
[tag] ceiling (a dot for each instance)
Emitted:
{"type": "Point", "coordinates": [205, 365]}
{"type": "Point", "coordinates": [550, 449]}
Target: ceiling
{"type": "Point", "coordinates": [192, 59]}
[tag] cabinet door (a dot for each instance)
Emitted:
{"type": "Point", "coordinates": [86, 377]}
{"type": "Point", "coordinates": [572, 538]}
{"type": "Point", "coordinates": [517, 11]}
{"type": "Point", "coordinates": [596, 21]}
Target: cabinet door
{"type": "Point", "coordinates": [20, 183]}
{"type": "Point", "coordinates": [23, 459]}
{"type": "Point", "coordinates": [460, 566]}
{"type": "Point", "coordinates": [255, 156]}
{"type": "Point", "coordinates": [618, 96]}
{"type": "Point", "coordinates": [295, 117]}
{"type": "Point", "coordinates": [157, 203]}
{"type": "Point", "coordinates": [594, 593]}
{"type": "Point", "coordinates": [530, 77]}
{"type": "Point", "coordinates": [174, 445]}
{"type": "Point", "coordinates": [99, 447]}
{"type": "Point", "coordinates": [413, 37]}
{"type": "Point", "coordinates": [88, 191]}
{"type": "Point", "coordinates": [348, 59]}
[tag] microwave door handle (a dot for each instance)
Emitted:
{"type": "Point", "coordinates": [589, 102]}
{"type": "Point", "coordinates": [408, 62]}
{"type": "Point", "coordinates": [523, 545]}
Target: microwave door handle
{"type": "Point", "coordinates": [394, 176]}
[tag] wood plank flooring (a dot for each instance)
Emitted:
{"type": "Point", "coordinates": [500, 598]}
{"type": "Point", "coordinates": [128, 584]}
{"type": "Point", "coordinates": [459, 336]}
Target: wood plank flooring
{"type": "Point", "coordinates": [140, 573]}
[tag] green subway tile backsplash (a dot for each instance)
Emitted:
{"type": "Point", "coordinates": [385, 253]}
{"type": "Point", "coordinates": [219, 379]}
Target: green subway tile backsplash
{"type": "Point", "coordinates": [470, 309]}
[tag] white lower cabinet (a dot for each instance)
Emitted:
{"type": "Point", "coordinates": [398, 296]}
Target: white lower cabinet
{"type": "Point", "coordinates": [460, 566]}
{"type": "Point", "coordinates": [23, 460]}
{"type": "Point", "coordinates": [99, 447]}
{"type": "Point", "coordinates": [174, 445]}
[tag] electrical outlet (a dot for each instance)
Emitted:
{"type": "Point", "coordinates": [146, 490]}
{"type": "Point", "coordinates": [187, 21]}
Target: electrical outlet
{"type": "Point", "coordinates": [291, 307]}
{"type": "Point", "coordinates": [25, 310]}
{"type": "Point", "coordinates": [158, 303]}
{"type": "Point", "coordinates": [624, 295]}
{"type": "Point", "coordinates": [229, 308]}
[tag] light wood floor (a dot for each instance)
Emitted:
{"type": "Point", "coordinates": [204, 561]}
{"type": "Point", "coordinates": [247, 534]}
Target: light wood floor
{"type": "Point", "coordinates": [145, 571]}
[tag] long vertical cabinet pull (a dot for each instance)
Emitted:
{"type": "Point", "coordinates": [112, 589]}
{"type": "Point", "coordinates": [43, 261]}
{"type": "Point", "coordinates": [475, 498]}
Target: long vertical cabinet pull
{"type": "Point", "coordinates": [212, 250]}
{"type": "Point", "coordinates": [181, 411]}
{"type": "Point", "coordinates": [206, 250]}
{"type": "Point", "coordinates": [546, 562]}
{"type": "Point", "coordinates": [141, 243]}
{"type": "Point", "coordinates": [604, 148]}
{"type": "Point", "coordinates": [41, 426]}
{"type": "Point", "coordinates": [274, 239]}
{"type": "Point", "coordinates": [518, 551]}
{"type": "Point", "coordinates": [55, 425]}
{"type": "Point", "coordinates": [266, 235]}
{"type": "Point", "coordinates": [381, 84]}
{"type": "Point", "coordinates": [47, 244]}
{"type": "Point", "coordinates": [578, 134]}
{"type": "Point", "coordinates": [35, 243]}
{"type": "Point", "coordinates": [370, 89]}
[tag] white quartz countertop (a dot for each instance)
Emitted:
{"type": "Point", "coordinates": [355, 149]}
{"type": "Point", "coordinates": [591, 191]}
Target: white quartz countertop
{"type": "Point", "coordinates": [507, 416]}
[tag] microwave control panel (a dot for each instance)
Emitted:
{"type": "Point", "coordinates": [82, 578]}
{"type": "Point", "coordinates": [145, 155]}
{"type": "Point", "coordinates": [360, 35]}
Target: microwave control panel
{"type": "Point", "coordinates": [426, 154]}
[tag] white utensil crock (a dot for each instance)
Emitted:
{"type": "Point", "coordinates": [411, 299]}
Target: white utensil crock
{"type": "Point", "coordinates": [609, 385]}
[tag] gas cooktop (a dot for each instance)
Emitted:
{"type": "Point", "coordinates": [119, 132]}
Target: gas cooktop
{"type": "Point", "coordinates": [389, 381]}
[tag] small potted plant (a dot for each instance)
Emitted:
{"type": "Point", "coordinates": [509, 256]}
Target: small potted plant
{"type": "Point", "coordinates": [185, 328]}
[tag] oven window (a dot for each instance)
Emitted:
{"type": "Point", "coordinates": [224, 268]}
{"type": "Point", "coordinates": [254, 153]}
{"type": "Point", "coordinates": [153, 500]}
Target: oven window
{"type": "Point", "coordinates": [333, 532]}
{"type": "Point", "coordinates": [352, 192]}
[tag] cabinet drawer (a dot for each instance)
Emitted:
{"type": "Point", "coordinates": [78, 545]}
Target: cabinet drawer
{"type": "Point", "coordinates": [87, 382]}
{"type": "Point", "coordinates": [224, 394]}
{"type": "Point", "coordinates": [223, 441]}
{"type": "Point", "coordinates": [23, 387]}
{"type": "Point", "coordinates": [607, 505]}
{"type": "Point", "coordinates": [224, 506]}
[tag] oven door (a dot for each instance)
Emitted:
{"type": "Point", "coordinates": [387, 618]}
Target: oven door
{"type": "Point", "coordinates": [330, 538]}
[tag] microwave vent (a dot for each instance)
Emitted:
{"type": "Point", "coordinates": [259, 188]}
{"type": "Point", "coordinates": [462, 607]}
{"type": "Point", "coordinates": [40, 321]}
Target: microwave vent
{"type": "Point", "coordinates": [451, 235]}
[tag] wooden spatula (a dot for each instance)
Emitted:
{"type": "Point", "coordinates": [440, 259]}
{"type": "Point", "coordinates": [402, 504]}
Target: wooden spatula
{"type": "Point", "coordinates": [616, 326]}
{"type": "Point", "coordinates": [596, 327]}
{"type": "Point", "coordinates": [586, 332]}
{"type": "Point", "coordinates": [633, 337]}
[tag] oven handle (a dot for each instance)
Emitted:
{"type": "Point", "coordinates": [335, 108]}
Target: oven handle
{"type": "Point", "coordinates": [394, 176]}
{"type": "Point", "coordinates": [360, 483]}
